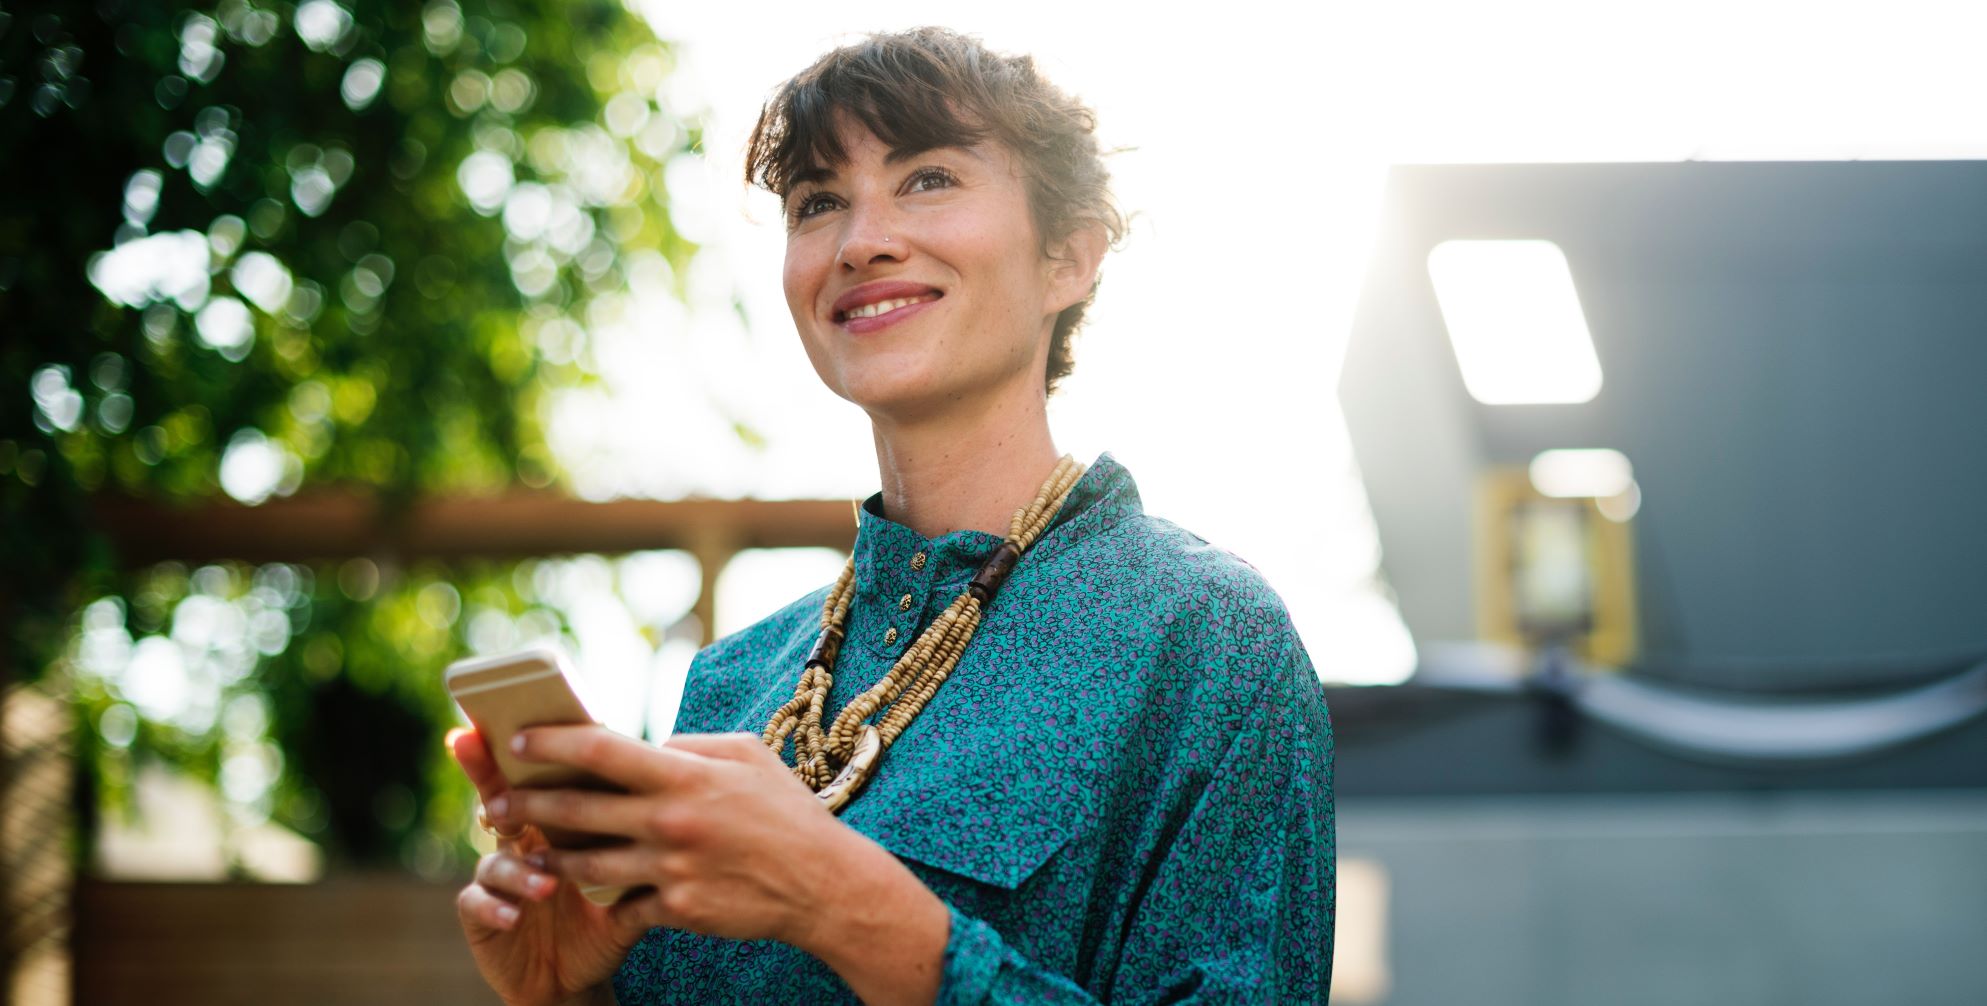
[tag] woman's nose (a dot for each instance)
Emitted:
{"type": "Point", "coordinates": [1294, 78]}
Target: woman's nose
{"type": "Point", "coordinates": [869, 238]}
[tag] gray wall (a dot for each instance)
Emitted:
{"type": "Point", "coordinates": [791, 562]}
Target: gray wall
{"type": "Point", "coordinates": [1785, 899]}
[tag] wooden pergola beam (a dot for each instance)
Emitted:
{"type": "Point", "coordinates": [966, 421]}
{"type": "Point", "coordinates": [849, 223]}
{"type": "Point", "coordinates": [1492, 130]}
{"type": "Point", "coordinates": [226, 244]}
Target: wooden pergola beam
{"type": "Point", "coordinates": [330, 525]}
{"type": "Point", "coordinates": [336, 525]}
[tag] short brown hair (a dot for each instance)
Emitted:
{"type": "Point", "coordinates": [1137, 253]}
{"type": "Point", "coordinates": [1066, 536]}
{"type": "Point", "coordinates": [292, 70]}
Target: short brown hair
{"type": "Point", "coordinates": [925, 88]}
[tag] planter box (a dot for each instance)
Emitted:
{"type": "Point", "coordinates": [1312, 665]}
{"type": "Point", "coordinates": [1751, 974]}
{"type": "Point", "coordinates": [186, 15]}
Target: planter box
{"type": "Point", "coordinates": [380, 940]}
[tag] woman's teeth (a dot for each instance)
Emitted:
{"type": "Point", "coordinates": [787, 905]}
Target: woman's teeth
{"type": "Point", "coordinates": [887, 306]}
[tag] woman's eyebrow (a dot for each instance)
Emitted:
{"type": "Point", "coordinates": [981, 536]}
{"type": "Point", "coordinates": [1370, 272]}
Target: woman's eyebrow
{"type": "Point", "coordinates": [814, 173]}
{"type": "Point", "coordinates": [901, 154]}
{"type": "Point", "coordinates": [897, 155]}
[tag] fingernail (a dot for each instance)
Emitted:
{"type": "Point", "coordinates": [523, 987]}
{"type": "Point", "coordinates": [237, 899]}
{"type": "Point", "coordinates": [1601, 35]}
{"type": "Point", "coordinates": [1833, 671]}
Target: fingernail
{"type": "Point", "coordinates": [448, 739]}
{"type": "Point", "coordinates": [539, 884]}
{"type": "Point", "coordinates": [506, 914]}
{"type": "Point", "coordinates": [517, 743]}
{"type": "Point", "coordinates": [499, 806]}
{"type": "Point", "coordinates": [537, 860]}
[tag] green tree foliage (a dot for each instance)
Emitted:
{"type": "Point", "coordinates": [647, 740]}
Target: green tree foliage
{"type": "Point", "coordinates": [305, 694]}
{"type": "Point", "coordinates": [257, 248]}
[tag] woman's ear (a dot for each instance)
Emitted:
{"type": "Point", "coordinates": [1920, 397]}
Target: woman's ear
{"type": "Point", "coordinates": [1073, 264]}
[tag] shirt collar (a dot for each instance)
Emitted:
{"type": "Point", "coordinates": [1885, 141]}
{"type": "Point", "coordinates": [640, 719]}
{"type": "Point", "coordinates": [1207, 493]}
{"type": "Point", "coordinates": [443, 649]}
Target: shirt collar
{"type": "Point", "coordinates": [886, 552]}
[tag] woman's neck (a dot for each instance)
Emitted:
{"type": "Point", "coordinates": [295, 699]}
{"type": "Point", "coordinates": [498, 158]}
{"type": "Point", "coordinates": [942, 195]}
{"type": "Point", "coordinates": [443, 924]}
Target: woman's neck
{"type": "Point", "coordinates": [965, 473]}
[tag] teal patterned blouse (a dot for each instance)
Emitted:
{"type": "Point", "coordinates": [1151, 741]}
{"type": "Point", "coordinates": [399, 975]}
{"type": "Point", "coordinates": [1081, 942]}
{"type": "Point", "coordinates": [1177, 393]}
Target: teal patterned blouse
{"type": "Point", "coordinates": [1123, 791]}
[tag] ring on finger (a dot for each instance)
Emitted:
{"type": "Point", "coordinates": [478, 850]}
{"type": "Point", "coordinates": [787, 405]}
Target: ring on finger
{"type": "Point", "coordinates": [483, 821]}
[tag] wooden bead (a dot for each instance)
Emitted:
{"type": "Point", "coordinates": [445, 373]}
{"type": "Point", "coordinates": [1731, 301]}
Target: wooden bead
{"type": "Point", "coordinates": [995, 571]}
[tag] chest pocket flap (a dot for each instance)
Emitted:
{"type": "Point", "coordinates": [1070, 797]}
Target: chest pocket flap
{"type": "Point", "coordinates": [991, 825]}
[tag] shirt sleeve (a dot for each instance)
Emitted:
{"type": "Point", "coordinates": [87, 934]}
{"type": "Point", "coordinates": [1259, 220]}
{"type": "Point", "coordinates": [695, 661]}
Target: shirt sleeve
{"type": "Point", "coordinates": [1241, 903]}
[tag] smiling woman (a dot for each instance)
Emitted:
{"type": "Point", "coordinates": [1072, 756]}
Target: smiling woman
{"type": "Point", "coordinates": [1033, 745]}
{"type": "Point", "coordinates": [1029, 150]}
{"type": "Point", "coordinates": [913, 279]}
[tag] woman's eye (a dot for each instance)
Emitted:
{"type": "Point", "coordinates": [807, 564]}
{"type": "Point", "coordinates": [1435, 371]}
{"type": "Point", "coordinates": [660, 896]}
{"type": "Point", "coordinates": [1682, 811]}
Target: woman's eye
{"type": "Point", "coordinates": [930, 178]}
{"type": "Point", "coordinates": [807, 206]}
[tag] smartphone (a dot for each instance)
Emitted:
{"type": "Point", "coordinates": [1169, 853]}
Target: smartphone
{"type": "Point", "coordinates": [504, 694]}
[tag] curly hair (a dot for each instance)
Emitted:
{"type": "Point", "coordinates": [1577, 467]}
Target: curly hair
{"type": "Point", "coordinates": [925, 88]}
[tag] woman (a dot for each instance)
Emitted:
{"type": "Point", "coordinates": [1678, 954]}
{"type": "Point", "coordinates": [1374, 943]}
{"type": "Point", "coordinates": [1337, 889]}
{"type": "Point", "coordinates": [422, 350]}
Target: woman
{"type": "Point", "coordinates": [1034, 745]}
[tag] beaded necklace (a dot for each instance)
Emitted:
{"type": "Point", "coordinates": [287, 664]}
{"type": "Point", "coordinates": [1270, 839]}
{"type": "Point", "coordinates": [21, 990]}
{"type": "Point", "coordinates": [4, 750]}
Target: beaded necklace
{"type": "Point", "coordinates": [835, 763]}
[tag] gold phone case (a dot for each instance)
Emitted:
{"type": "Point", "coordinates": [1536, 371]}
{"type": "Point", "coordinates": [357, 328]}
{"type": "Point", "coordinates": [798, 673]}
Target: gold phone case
{"type": "Point", "coordinates": [506, 693]}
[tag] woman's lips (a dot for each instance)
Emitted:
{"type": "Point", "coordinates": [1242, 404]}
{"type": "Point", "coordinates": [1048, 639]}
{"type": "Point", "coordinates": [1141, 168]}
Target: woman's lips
{"type": "Point", "coordinates": [858, 326]}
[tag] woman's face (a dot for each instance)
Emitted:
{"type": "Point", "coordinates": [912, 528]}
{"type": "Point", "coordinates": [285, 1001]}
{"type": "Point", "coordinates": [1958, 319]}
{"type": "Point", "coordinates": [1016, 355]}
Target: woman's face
{"type": "Point", "coordinates": [917, 280]}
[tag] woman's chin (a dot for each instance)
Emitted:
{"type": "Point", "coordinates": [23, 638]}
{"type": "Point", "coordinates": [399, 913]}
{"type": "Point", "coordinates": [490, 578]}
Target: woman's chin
{"type": "Point", "coordinates": [901, 396]}
{"type": "Point", "coordinates": [898, 404]}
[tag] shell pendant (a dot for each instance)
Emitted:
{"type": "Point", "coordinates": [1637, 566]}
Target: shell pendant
{"type": "Point", "coordinates": [862, 765]}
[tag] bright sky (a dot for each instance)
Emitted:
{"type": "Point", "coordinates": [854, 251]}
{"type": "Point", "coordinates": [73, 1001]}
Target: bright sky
{"type": "Point", "coordinates": [1262, 134]}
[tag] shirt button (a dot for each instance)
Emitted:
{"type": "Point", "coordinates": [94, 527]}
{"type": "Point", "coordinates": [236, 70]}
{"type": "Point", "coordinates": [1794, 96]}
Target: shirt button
{"type": "Point", "coordinates": [890, 636]}
{"type": "Point", "coordinates": [918, 561]}
{"type": "Point", "coordinates": [904, 603]}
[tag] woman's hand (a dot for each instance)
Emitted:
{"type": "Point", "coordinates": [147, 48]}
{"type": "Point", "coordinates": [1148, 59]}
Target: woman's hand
{"type": "Point", "coordinates": [535, 939]}
{"type": "Point", "coordinates": [736, 846]}
{"type": "Point", "coordinates": [733, 843]}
